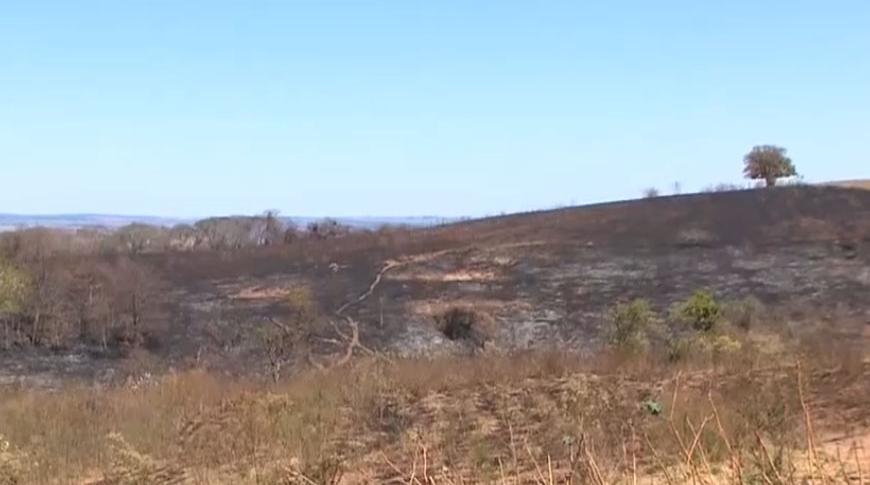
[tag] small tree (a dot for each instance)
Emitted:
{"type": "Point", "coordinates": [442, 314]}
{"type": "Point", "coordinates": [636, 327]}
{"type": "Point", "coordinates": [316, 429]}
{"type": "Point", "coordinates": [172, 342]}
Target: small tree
{"type": "Point", "coordinates": [283, 339]}
{"type": "Point", "coordinates": [701, 311]}
{"type": "Point", "coordinates": [14, 291]}
{"type": "Point", "coordinates": [768, 163]}
{"type": "Point", "coordinates": [629, 324]}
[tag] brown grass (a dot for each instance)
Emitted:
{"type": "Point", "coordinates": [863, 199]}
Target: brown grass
{"type": "Point", "coordinates": [540, 418]}
{"type": "Point", "coordinates": [852, 184]}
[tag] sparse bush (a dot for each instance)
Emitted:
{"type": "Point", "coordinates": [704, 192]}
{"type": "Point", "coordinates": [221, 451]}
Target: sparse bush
{"type": "Point", "coordinates": [723, 187]}
{"type": "Point", "coordinates": [703, 348]}
{"type": "Point", "coordinates": [725, 344]}
{"type": "Point", "coordinates": [701, 330]}
{"type": "Point", "coordinates": [744, 313]}
{"type": "Point", "coordinates": [701, 311]}
{"type": "Point", "coordinates": [651, 192]}
{"type": "Point", "coordinates": [15, 288]}
{"type": "Point", "coordinates": [301, 305]}
{"type": "Point", "coordinates": [461, 324]}
{"type": "Point", "coordinates": [328, 229]}
{"type": "Point", "coordinates": [694, 237]}
{"type": "Point", "coordinates": [679, 347]}
{"type": "Point", "coordinates": [13, 464]}
{"type": "Point", "coordinates": [282, 340]}
{"type": "Point", "coordinates": [629, 324]}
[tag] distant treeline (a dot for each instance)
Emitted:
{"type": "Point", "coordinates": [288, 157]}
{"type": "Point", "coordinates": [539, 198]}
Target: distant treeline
{"type": "Point", "coordinates": [216, 233]}
{"type": "Point", "coordinates": [111, 290]}
{"type": "Point", "coordinates": [95, 287]}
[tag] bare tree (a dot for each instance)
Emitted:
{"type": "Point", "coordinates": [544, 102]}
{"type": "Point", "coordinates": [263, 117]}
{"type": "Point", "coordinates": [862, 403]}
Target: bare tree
{"type": "Point", "coordinates": [270, 229]}
{"type": "Point", "coordinates": [328, 229]}
{"type": "Point", "coordinates": [283, 340]}
{"type": "Point", "coordinates": [118, 302]}
{"type": "Point", "coordinates": [49, 307]}
{"type": "Point", "coordinates": [138, 298]}
{"type": "Point", "coordinates": [137, 238]}
{"type": "Point", "coordinates": [183, 237]}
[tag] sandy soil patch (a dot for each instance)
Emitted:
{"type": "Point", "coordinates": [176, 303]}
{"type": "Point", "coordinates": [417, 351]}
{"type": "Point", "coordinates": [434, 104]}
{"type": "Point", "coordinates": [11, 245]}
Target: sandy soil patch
{"type": "Point", "coordinates": [431, 276]}
{"type": "Point", "coordinates": [260, 293]}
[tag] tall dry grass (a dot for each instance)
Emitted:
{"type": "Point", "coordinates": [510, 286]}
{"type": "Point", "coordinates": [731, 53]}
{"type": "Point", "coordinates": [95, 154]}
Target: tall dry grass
{"type": "Point", "coordinates": [540, 418]}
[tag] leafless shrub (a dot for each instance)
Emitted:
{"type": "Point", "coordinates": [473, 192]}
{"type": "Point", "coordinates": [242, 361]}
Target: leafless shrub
{"type": "Point", "coordinates": [139, 238]}
{"type": "Point", "coordinates": [695, 237]}
{"type": "Point", "coordinates": [463, 325]}
{"type": "Point", "coordinates": [283, 339]}
{"type": "Point", "coordinates": [328, 229]}
{"type": "Point", "coordinates": [744, 313]}
{"type": "Point", "coordinates": [723, 187]}
{"type": "Point", "coordinates": [651, 193]}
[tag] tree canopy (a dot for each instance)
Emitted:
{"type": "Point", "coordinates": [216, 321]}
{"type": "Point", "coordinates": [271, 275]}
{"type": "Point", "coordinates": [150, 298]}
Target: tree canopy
{"type": "Point", "coordinates": [768, 163]}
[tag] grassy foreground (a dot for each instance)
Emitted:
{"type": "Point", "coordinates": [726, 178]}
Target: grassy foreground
{"type": "Point", "coordinates": [539, 418]}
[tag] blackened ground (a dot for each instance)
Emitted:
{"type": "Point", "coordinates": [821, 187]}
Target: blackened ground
{"type": "Point", "coordinates": [537, 279]}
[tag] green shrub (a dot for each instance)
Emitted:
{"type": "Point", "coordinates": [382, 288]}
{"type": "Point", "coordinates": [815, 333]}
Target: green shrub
{"type": "Point", "coordinates": [630, 323]}
{"type": "Point", "coordinates": [701, 311]}
{"type": "Point", "coordinates": [14, 288]}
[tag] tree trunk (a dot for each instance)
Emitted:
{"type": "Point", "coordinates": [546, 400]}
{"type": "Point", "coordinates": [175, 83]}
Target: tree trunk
{"type": "Point", "coordinates": [35, 338]}
{"type": "Point", "coordinates": [276, 371]}
{"type": "Point", "coordinates": [770, 181]}
{"type": "Point", "coordinates": [134, 308]}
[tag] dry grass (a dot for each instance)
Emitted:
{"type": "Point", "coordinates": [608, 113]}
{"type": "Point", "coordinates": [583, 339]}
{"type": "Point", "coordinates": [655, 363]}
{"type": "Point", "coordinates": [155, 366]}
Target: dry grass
{"type": "Point", "coordinates": [853, 184]}
{"type": "Point", "coordinates": [541, 418]}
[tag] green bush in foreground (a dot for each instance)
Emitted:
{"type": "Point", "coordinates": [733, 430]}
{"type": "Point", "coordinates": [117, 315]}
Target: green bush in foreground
{"type": "Point", "coordinates": [701, 311]}
{"type": "Point", "coordinates": [630, 323]}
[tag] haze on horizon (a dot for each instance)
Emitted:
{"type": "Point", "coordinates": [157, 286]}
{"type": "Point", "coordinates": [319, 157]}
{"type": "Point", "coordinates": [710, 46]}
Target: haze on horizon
{"type": "Point", "coordinates": [395, 108]}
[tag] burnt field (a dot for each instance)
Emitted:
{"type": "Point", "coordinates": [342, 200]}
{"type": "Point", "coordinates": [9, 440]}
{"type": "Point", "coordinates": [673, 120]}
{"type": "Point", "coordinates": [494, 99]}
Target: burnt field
{"type": "Point", "coordinates": [539, 280]}
{"type": "Point", "coordinates": [711, 338]}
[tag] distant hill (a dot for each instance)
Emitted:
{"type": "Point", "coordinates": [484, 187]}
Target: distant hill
{"type": "Point", "coordinates": [78, 221]}
{"type": "Point", "coordinates": [111, 221]}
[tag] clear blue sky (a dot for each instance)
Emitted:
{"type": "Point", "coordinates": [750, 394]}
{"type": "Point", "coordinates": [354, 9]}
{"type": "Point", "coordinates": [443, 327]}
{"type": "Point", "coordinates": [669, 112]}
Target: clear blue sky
{"type": "Point", "coordinates": [406, 107]}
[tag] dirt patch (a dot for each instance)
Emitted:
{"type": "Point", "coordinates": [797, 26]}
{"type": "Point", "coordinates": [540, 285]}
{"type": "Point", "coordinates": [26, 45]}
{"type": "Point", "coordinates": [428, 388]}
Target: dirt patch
{"type": "Point", "coordinates": [431, 308]}
{"type": "Point", "coordinates": [461, 275]}
{"type": "Point", "coordinates": [850, 184]}
{"type": "Point", "coordinates": [851, 452]}
{"type": "Point", "coordinates": [260, 293]}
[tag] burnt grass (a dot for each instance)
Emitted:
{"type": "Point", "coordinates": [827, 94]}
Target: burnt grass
{"type": "Point", "coordinates": [541, 279]}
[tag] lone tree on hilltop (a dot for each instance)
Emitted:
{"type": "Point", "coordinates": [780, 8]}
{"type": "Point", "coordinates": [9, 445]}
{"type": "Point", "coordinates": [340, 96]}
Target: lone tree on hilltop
{"type": "Point", "coordinates": [769, 163]}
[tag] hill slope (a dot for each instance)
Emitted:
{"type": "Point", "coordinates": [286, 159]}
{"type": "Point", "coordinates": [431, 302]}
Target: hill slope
{"type": "Point", "coordinates": [551, 278]}
{"type": "Point", "coordinates": [546, 279]}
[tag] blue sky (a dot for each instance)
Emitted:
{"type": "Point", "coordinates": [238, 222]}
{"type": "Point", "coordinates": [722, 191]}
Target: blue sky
{"type": "Point", "coordinates": [194, 108]}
